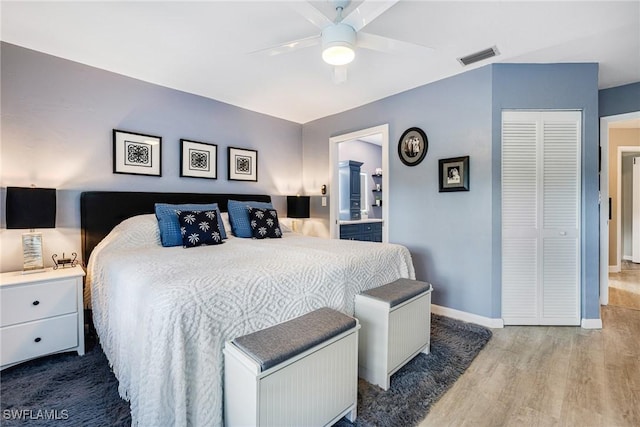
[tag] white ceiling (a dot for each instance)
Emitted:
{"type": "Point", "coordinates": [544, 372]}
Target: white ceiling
{"type": "Point", "coordinates": [204, 47]}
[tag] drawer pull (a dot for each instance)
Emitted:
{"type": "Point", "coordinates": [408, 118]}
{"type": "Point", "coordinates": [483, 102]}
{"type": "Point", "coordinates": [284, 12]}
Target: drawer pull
{"type": "Point", "coordinates": [36, 302]}
{"type": "Point", "coordinates": [38, 339]}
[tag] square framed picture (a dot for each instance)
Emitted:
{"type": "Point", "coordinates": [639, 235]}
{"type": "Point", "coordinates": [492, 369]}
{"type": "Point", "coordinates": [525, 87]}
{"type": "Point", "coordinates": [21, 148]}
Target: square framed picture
{"type": "Point", "coordinates": [137, 153]}
{"type": "Point", "coordinates": [198, 159]}
{"type": "Point", "coordinates": [243, 164]}
{"type": "Point", "coordinates": [454, 174]}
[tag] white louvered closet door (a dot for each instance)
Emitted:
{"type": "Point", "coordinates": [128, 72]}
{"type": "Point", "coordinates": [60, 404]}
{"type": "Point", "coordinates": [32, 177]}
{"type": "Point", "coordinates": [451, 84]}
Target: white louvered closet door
{"type": "Point", "coordinates": [541, 217]}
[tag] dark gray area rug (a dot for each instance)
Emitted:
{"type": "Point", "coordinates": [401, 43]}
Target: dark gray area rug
{"type": "Point", "coordinates": [67, 390]}
{"type": "Point", "coordinates": [63, 390]}
{"type": "Point", "coordinates": [422, 381]}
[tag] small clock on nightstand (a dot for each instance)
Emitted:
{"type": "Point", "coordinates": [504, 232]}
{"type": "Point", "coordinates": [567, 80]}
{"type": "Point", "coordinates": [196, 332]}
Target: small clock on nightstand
{"type": "Point", "coordinates": [42, 313]}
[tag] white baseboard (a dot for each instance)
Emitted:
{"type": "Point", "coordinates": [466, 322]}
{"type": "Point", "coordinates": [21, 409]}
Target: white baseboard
{"type": "Point", "coordinates": [591, 323]}
{"type": "Point", "coordinates": [467, 317]}
{"type": "Point", "coordinates": [496, 323]}
{"type": "Point", "coordinates": [615, 269]}
{"type": "Point", "coordinates": [627, 257]}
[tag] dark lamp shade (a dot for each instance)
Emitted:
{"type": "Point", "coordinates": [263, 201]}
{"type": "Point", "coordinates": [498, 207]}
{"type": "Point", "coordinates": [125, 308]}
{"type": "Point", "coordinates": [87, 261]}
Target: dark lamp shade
{"type": "Point", "coordinates": [31, 207]}
{"type": "Point", "coordinates": [298, 206]}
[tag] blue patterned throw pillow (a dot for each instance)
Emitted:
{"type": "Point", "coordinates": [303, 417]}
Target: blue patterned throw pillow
{"type": "Point", "coordinates": [168, 220]}
{"type": "Point", "coordinates": [239, 217]}
{"type": "Point", "coordinates": [264, 223]}
{"type": "Point", "coordinates": [199, 228]}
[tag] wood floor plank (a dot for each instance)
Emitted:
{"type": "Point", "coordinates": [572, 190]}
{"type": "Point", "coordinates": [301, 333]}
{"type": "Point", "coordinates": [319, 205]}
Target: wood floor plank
{"type": "Point", "coordinates": [583, 399]}
{"type": "Point", "coordinates": [551, 376]}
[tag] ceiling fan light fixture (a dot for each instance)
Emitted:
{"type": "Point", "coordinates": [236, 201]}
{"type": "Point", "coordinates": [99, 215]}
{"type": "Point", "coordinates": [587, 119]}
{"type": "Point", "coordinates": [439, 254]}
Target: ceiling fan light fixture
{"type": "Point", "coordinates": [338, 54]}
{"type": "Point", "coordinates": [338, 43]}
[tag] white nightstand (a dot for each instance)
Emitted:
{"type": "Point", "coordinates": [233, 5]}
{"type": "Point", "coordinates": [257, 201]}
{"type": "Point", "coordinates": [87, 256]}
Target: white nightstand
{"type": "Point", "coordinates": [42, 313]}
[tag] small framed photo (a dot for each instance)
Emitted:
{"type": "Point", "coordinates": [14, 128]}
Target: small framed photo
{"type": "Point", "coordinates": [137, 153]}
{"type": "Point", "coordinates": [198, 159]}
{"type": "Point", "coordinates": [243, 164]}
{"type": "Point", "coordinates": [454, 174]}
{"type": "Point", "coordinates": [413, 146]}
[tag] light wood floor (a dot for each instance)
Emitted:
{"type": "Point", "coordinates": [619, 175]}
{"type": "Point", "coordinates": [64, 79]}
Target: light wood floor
{"type": "Point", "coordinates": [551, 376]}
{"type": "Point", "coordinates": [624, 287]}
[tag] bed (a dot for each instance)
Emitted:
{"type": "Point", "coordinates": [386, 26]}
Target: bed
{"type": "Point", "coordinates": [162, 314]}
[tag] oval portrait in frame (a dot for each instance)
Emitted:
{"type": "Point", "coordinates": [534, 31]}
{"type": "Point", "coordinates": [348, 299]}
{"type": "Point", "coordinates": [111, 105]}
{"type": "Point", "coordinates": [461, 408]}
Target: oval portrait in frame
{"type": "Point", "coordinates": [413, 146]}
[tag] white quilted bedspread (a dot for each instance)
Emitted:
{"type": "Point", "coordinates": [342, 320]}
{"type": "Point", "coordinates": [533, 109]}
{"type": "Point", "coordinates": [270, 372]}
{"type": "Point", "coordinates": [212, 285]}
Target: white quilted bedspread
{"type": "Point", "coordinates": [164, 314]}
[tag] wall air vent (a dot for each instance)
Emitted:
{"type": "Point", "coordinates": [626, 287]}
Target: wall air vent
{"type": "Point", "coordinates": [479, 56]}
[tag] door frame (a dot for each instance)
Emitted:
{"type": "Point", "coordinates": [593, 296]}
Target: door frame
{"type": "Point", "coordinates": [334, 202]}
{"type": "Point", "coordinates": [621, 150]}
{"type": "Point", "coordinates": [635, 211]}
{"type": "Point", "coordinates": [604, 201]}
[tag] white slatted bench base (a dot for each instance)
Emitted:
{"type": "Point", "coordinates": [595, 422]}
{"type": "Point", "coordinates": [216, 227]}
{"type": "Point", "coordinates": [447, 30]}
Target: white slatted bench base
{"type": "Point", "coordinates": [394, 330]}
{"type": "Point", "coordinates": [316, 387]}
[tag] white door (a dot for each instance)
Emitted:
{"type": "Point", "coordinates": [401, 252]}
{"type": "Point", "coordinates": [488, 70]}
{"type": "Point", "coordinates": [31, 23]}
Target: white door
{"type": "Point", "coordinates": [635, 221]}
{"type": "Point", "coordinates": [541, 217]}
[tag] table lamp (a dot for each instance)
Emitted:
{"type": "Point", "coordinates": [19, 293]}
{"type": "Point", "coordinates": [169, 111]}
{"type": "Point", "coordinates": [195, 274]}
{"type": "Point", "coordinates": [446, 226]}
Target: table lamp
{"type": "Point", "coordinates": [31, 208]}
{"type": "Point", "coordinates": [298, 207]}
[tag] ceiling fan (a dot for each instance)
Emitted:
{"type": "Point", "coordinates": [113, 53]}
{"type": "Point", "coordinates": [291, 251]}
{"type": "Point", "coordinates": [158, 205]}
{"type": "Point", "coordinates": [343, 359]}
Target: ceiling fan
{"type": "Point", "coordinates": [340, 38]}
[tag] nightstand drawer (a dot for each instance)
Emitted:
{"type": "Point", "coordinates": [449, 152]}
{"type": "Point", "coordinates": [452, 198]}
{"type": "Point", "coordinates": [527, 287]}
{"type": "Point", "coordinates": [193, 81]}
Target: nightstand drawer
{"type": "Point", "coordinates": [33, 339]}
{"type": "Point", "coordinates": [38, 301]}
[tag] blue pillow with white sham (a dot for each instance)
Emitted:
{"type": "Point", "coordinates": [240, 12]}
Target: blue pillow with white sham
{"type": "Point", "coordinates": [199, 228]}
{"type": "Point", "coordinates": [239, 216]}
{"type": "Point", "coordinates": [170, 226]}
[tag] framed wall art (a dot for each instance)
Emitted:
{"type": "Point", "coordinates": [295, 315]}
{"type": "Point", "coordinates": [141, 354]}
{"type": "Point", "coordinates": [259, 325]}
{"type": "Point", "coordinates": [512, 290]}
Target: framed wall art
{"type": "Point", "coordinates": [198, 159]}
{"type": "Point", "coordinates": [413, 146]}
{"type": "Point", "coordinates": [243, 164]}
{"type": "Point", "coordinates": [454, 174]}
{"type": "Point", "coordinates": [137, 153]}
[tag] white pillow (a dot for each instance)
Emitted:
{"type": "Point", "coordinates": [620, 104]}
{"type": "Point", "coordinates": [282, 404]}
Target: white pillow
{"type": "Point", "coordinates": [137, 231]}
{"type": "Point", "coordinates": [285, 224]}
{"type": "Point", "coordinates": [226, 224]}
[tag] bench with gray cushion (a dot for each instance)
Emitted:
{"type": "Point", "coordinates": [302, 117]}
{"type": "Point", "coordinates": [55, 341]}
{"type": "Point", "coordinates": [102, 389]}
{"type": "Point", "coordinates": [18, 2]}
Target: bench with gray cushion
{"type": "Point", "coordinates": [397, 292]}
{"type": "Point", "coordinates": [299, 372]}
{"type": "Point", "coordinates": [396, 323]}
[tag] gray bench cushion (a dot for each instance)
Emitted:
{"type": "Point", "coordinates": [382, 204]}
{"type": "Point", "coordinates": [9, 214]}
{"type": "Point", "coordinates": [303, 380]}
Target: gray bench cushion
{"type": "Point", "coordinates": [281, 342]}
{"type": "Point", "coordinates": [399, 291]}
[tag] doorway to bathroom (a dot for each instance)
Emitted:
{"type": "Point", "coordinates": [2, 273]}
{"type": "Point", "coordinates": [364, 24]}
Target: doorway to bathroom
{"type": "Point", "coordinates": [357, 206]}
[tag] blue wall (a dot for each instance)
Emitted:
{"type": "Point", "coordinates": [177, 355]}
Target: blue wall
{"type": "Point", "coordinates": [449, 234]}
{"type": "Point", "coordinates": [554, 86]}
{"type": "Point", "coordinates": [57, 118]}
{"type": "Point", "coordinates": [619, 100]}
{"type": "Point", "coordinates": [454, 238]}
{"type": "Point", "coordinates": [57, 121]}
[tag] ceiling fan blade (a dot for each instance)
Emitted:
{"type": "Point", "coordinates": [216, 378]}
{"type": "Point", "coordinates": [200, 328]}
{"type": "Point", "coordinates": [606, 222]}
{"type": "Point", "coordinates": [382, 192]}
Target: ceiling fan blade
{"type": "Point", "coordinates": [310, 13]}
{"type": "Point", "coordinates": [289, 46]}
{"type": "Point", "coordinates": [388, 45]}
{"type": "Point", "coordinates": [367, 12]}
{"type": "Point", "coordinates": [340, 74]}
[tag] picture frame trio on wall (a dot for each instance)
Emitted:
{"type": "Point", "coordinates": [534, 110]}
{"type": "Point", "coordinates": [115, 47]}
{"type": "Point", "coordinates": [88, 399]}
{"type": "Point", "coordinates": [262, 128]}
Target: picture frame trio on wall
{"type": "Point", "coordinates": [453, 173]}
{"type": "Point", "coordinates": [141, 154]}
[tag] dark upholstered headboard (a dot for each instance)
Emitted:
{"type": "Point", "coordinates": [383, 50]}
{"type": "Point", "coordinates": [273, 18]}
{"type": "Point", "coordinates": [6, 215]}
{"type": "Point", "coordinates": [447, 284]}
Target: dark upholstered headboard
{"type": "Point", "coordinates": [100, 211]}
